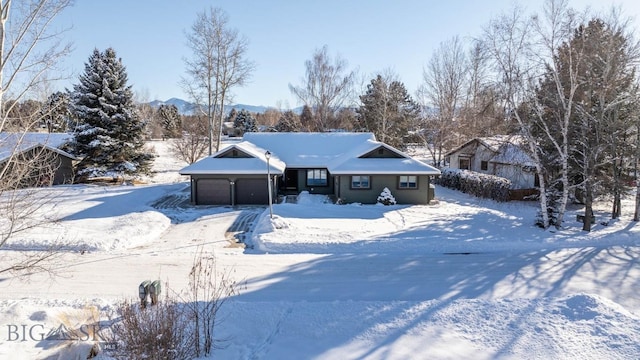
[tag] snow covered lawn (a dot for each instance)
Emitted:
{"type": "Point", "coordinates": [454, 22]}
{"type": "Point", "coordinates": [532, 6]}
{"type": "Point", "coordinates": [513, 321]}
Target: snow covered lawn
{"type": "Point", "coordinates": [459, 279]}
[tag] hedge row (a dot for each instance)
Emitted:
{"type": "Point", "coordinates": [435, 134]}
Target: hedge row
{"type": "Point", "coordinates": [477, 184]}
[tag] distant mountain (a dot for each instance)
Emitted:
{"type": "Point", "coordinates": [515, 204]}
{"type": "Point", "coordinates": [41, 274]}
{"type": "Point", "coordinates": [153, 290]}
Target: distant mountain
{"type": "Point", "coordinates": [188, 108]}
{"type": "Point", "coordinates": [184, 107]}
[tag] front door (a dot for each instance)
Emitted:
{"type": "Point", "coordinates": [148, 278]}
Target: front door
{"type": "Point", "coordinates": [291, 179]}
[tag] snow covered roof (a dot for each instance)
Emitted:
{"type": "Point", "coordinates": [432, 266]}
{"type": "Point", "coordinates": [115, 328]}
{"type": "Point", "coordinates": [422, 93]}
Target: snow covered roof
{"type": "Point", "coordinates": [356, 163]}
{"type": "Point", "coordinates": [11, 143]}
{"type": "Point", "coordinates": [512, 154]}
{"type": "Point", "coordinates": [309, 150]}
{"type": "Point", "coordinates": [495, 142]}
{"type": "Point", "coordinates": [373, 166]}
{"type": "Point", "coordinates": [341, 153]}
{"type": "Point", "coordinates": [508, 149]}
{"type": "Point", "coordinates": [255, 164]}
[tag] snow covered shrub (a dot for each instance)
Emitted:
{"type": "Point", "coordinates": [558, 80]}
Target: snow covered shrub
{"type": "Point", "coordinates": [474, 183]}
{"type": "Point", "coordinates": [386, 198]}
{"type": "Point", "coordinates": [163, 331]}
{"type": "Point", "coordinates": [182, 326]}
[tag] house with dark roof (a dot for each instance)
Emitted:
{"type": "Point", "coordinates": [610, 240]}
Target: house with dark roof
{"type": "Point", "coordinates": [500, 155]}
{"type": "Point", "coordinates": [42, 153]}
{"type": "Point", "coordinates": [351, 167]}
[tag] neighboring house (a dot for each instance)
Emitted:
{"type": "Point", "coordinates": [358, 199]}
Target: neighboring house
{"type": "Point", "coordinates": [43, 153]}
{"type": "Point", "coordinates": [352, 167]}
{"type": "Point", "coordinates": [229, 130]}
{"type": "Point", "coordinates": [500, 155]}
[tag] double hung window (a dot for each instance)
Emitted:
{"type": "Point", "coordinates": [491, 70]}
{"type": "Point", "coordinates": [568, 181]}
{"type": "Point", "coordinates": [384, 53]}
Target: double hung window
{"type": "Point", "coordinates": [408, 182]}
{"type": "Point", "coordinates": [360, 182]}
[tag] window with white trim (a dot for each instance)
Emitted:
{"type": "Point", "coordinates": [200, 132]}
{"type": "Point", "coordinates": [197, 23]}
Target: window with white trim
{"type": "Point", "coordinates": [408, 182]}
{"type": "Point", "coordinates": [360, 182]}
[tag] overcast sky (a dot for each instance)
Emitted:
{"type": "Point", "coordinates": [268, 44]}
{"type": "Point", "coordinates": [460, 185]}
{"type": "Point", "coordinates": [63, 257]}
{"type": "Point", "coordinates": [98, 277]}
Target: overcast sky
{"type": "Point", "coordinates": [372, 35]}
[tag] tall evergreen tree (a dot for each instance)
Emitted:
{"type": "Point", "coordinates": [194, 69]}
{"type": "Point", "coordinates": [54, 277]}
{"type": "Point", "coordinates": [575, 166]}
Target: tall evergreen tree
{"type": "Point", "coordinates": [55, 112]}
{"type": "Point", "coordinates": [245, 122]}
{"type": "Point", "coordinates": [289, 122]}
{"type": "Point", "coordinates": [604, 121]}
{"type": "Point", "coordinates": [109, 136]}
{"type": "Point", "coordinates": [231, 117]}
{"type": "Point", "coordinates": [599, 127]}
{"type": "Point", "coordinates": [388, 111]}
{"type": "Point", "coordinates": [171, 122]}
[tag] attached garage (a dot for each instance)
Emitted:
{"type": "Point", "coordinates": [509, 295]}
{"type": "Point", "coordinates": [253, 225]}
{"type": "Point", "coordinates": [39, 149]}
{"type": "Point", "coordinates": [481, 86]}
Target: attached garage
{"type": "Point", "coordinates": [213, 192]}
{"type": "Point", "coordinates": [235, 175]}
{"type": "Point", "coordinates": [252, 191]}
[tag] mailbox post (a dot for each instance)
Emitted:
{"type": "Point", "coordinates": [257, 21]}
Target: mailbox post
{"type": "Point", "coordinates": [143, 292]}
{"type": "Point", "coordinates": [154, 291]}
{"type": "Point", "coordinates": [149, 289]}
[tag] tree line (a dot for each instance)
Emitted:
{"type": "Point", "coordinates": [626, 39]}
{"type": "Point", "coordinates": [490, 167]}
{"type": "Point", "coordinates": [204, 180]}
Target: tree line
{"type": "Point", "coordinates": [563, 80]}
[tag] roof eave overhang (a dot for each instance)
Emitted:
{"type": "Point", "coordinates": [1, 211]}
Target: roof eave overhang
{"type": "Point", "coordinates": [403, 172]}
{"type": "Point", "coordinates": [236, 172]}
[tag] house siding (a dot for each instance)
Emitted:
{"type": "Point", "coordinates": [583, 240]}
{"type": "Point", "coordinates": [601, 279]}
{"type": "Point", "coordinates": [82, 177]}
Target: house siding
{"type": "Point", "coordinates": [520, 179]}
{"type": "Point", "coordinates": [46, 164]}
{"type": "Point", "coordinates": [64, 173]}
{"type": "Point", "coordinates": [421, 195]}
{"type": "Point", "coordinates": [477, 153]}
{"type": "Point", "coordinates": [381, 152]}
{"type": "Point", "coordinates": [482, 154]}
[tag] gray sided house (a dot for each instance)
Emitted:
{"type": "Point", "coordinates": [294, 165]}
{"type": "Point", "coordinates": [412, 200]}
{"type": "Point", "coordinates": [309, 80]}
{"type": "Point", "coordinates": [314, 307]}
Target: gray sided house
{"type": "Point", "coordinates": [500, 155]}
{"type": "Point", "coordinates": [42, 153]}
{"type": "Point", "coordinates": [352, 167]}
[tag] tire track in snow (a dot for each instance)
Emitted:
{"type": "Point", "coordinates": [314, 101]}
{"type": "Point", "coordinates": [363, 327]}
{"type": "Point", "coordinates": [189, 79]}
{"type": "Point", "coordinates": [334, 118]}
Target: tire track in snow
{"type": "Point", "coordinates": [263, 347]}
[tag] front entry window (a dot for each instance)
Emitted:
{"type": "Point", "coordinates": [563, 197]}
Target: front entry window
{"type": "Point", "coordinates": [317, 177]}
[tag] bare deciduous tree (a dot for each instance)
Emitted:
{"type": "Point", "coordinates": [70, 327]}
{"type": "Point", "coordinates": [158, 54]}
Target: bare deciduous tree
{"type": "Point", "coordinates": [480, 112]}
{"type": "Point", "coordinates": [209, 289]}
{"type": "Point", "coordinates": [325, 88]}
{"type": "Point", "coordinates": [269, 118]}
{"type": "Point", "coordinates": [522, 50]}
{"type": "Point", "coordinates": [28, 49]}
{"type": "Point", "coordinates": [193, 144]}
{"type": "Point", "coordinates": [442, 91]}
{"type": "Point", "coordinates": [147, 114]}
{"type": "Point", "coordinates": [218, 64]}
{"type": "Point", "coordinates": [21, 204]}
